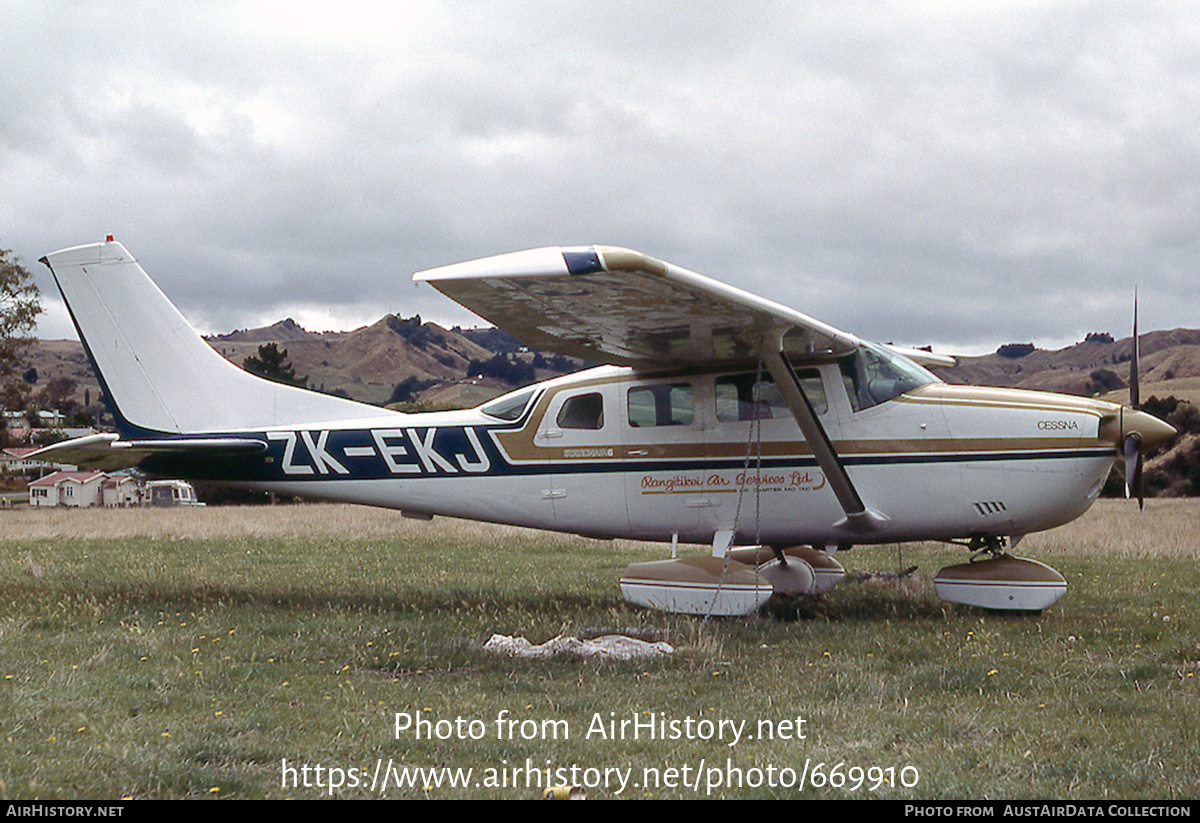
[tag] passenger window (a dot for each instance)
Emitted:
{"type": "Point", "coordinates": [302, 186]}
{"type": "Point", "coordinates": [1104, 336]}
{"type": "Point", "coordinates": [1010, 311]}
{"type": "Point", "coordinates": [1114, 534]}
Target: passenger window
{"type": "Point", "coordinates": [738, 400]}
{"type": "Point", "coordinates": [663, 404]}
{"type": "Point", "coordinates": [583, 411]}
{"type": "Point", "coordinates": [810, 380]}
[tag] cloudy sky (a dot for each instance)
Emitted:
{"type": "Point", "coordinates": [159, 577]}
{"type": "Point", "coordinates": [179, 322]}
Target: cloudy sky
{"type": "Point", "coordinates": [958, 173]}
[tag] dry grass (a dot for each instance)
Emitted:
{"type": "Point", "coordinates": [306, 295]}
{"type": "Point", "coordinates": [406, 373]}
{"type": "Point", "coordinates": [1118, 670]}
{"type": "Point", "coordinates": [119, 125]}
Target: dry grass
{"type": "Point", "coordinates": [309, 521]}
{"type": "Point", "coordinates": [1168, 528]}
{"type": "Point", "coordinates": [185, 653]}
{"type": "Point", "coordinates": [202, 523]}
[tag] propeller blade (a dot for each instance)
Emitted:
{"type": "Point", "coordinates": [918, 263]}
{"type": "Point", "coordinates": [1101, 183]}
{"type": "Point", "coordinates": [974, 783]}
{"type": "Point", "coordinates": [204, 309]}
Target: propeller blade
{"type": "Point", "coordinates": [1133, 468]}
{"type": "Point", "coordinates": [1138, 488]}
{"type": "Point", "coordinates": [1134, 392]}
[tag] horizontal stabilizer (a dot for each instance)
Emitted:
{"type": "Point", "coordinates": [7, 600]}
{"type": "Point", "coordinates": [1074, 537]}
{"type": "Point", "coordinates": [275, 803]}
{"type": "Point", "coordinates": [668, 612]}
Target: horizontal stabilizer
{"type": "Point", "coordinates": [108, 452]}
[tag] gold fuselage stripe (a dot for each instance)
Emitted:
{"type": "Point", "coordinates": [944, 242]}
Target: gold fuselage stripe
{"type": "Point", "coordinates": [518, 444]}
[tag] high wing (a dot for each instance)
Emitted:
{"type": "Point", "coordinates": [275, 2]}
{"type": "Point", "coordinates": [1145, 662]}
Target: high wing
{"type": "Point", "coordinates": [614, 305]}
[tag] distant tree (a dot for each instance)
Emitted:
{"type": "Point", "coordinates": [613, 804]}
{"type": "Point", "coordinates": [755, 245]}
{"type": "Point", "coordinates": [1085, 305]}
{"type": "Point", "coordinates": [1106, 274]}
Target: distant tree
{"type": "Point", "coordinates": [1102, 381]}
{"type": "Point", "coordinates": [1015, 350]}
{"type": "Point", "coordinates": [83, 418]}
{"type": "Point", "coordinates": [272, 363]}
{"type": "Point", "coordinates": [1098, 337]}
{"type": "Point", "coordinates": [58, 394]}
{"type": "Point", "coordinates": [20, 304]}
{"type": "Point", "coordinates": [406, 390]}
{"type": "Point", "coordinates": [32, 413]}
{"type": "Point", "coordinates": [414, 331]}
{"type": "Point", "coordinates": [561, 363]}
{"type": "Point", "coordinates": [512, 370]}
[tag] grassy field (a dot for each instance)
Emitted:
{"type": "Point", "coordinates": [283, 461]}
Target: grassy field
{"type": "Point", "coordinates": [190, 653]}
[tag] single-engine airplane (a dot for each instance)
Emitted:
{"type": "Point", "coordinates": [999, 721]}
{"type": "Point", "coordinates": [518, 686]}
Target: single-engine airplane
{"type": "Point", "coordinates": [720, 418]}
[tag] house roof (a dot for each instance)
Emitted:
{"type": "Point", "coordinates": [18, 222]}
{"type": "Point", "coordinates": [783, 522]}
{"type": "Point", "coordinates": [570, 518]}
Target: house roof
{"type": "Point", "coordinates": [68, 477]}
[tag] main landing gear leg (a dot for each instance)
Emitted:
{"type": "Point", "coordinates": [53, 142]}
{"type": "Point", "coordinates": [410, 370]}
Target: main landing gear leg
{"type": "Point", "coordinates": [987, 544]}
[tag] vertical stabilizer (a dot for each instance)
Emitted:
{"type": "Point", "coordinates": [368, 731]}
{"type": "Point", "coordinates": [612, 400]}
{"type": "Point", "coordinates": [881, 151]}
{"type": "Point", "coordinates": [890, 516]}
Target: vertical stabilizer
{"type": "Point", "coordinates": [159, 374]}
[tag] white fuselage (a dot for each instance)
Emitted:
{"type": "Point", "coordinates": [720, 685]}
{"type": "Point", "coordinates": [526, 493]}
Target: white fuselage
{"type": "Point", "coordinates": [615, 453]}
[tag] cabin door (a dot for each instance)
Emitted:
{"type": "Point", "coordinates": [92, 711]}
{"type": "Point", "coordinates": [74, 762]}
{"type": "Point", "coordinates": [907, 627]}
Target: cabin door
{"type": "Point", "coordinates": [580, 434]}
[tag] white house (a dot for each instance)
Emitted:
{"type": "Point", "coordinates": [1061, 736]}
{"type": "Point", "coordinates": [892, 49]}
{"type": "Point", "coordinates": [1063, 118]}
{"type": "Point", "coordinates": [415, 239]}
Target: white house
{"type": "Point", "coordinates": [80, 489]}
{"type": "Point", "coordinates": [122, 491]}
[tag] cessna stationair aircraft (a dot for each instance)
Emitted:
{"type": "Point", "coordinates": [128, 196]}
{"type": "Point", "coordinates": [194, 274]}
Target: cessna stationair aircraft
{"type": "Point", "coordinates": [721, 418]}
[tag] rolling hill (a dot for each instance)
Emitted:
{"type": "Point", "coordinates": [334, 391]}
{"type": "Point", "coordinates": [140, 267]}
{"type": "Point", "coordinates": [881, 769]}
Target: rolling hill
{"type": "Point", "coordinates": [368, 363]}
{"type": "Point", "coordinates": [1099, 366]}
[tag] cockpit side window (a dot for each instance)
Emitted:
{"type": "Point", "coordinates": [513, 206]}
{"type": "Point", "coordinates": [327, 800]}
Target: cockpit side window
{"type": "Point", "coordinates": [509, 406]}
{"type": "Point", "coordinates": [874, 375]}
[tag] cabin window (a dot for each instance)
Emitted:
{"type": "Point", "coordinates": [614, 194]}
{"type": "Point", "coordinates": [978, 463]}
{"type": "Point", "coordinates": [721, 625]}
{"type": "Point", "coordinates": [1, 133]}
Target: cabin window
{"type": "Point", "coordinates": [509, 406]}
{"type": "Point", "coordinates": [661, 404]}
{"type": "Point", "coordinates": [737, 398]}
{"type": "Point", "coordinates": [583, 411]}
{"type": "Point", "coordinates": [874, 375]}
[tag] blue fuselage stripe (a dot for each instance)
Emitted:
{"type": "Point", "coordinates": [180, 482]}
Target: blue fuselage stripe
{"type": "Point", "coordinates": [464, 451]}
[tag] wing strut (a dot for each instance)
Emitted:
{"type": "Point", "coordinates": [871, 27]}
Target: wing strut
{"type": "Point", "coordinates": [858, 517]}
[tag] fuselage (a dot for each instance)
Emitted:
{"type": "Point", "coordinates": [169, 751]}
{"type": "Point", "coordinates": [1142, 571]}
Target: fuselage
{"type": "Point", "coordinates": [688, 440]}
{"type": "Point", "coordinates": [612, 452]}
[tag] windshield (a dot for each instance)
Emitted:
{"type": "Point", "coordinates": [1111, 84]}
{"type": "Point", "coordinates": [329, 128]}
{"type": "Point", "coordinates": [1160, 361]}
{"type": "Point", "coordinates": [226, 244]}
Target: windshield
{"type": "Point", "coordinates": [874, 375]}
{"type": "Point", "coordinates": [508, 406]}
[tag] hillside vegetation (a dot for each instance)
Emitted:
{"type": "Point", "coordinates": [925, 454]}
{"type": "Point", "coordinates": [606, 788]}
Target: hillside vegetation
{"type": "Point", "coordinates": [406, 361]}
{"type": "Point", "coordinates": [395, 356]}
{"type": "Point", "coordinates": [1099, 367]}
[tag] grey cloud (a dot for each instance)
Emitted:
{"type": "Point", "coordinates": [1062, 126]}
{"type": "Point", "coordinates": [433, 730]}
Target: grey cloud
{"type": "Point", "coordinates": [971, 175]}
